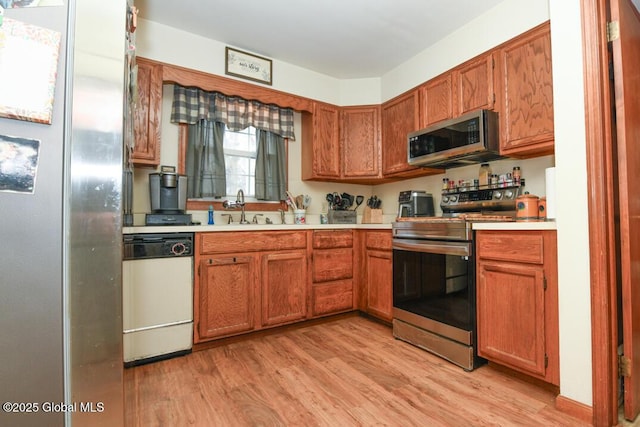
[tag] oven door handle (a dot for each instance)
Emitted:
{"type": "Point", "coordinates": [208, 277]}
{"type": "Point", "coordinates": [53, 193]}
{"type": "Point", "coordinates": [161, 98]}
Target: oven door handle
{"type": "Point", "coordinates": [433, 246]}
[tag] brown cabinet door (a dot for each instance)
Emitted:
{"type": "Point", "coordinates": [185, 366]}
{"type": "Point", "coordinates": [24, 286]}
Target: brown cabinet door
{"type": "Point", "coordinates": [511, 315]}
{"type": "Point", "coordinates": [284, 287]}
{"type": "Point", "coordinates": [225, 296]}
{"type": "Point", "coordinates": [437, 100]}
{"type": "Point", "coordinates": [526, 110]}
{"type": "Point", "coordinates": [399, 117]}
{"type": "Point", "coordinates": [360, 142]}
{"type": "Point", "coordinates": [379, 286]}
{"type": "Point", "coordinates": [474, 85]}
{"type": "Point", "coordinates": [147, 114]}
{"type": "Point", "coordinates": [321, 147]}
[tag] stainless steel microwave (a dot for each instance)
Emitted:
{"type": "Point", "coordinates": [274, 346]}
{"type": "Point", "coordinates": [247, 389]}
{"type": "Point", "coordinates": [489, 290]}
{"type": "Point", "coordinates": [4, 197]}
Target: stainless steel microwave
{"type": "Point", "coordinates": [469, 139]}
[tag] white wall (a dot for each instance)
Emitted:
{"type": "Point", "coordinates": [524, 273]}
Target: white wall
{"type": "Point", "coordinates": [497, 25]}
{"type": "Point", "coordinates": [573, 229]}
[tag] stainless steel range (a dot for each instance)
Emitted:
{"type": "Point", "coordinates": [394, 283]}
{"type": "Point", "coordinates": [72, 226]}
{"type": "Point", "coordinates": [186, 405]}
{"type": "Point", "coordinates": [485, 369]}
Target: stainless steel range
{"type": "Point", "coordinates": [434, 292]}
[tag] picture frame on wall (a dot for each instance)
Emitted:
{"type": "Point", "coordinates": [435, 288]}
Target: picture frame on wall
{"type": "Point", "coordinates": [248, 66]}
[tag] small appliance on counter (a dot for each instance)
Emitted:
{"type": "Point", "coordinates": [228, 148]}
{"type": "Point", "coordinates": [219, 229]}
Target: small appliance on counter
{"type": "Point", "coordinates": [412, 203]}
{"type": "Point", "coordinates": [168, 193]}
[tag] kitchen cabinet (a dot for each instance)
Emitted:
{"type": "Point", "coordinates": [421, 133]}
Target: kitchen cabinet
{"type": "Point", "coordinates": [345, 144]}
{"type": "Point", "coordinates": [147, 114]}
{"type": "Point", "coordinates": [517, 301]}
{"type": "Point", "coordinates": [321, 152]}
{"type": "Point", "coordinates": [467, 87]}
{"type": "Point", "coordinates": [360, 142]}
{"type": "Point", "coordinates": [226, 297]}
{"type": "Point", "coordinates": [332, 272]}
{"type": "Point", "coordinates": [377, 274]}
{"type": "Point", "coordinates": [474, 85]}
{"type": "Point", "coordinates": [246, 281]}
{"type": "Point", "coordinates": [437, 100]}
{"type": "Point", "coordinates": [526, 94]}
{"type": "Point", "coordinates": [284, 287]}
{"type": "Point", "coordinates": [400, 116]}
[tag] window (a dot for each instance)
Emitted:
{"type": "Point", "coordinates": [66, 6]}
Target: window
{"type": "Point", "coordinates": [240, 150]}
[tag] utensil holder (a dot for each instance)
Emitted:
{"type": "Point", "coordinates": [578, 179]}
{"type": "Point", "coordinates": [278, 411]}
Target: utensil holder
{"type": "Point", "coordinates": [299, 216]}
{"type": "Point", "coordinates": [372, 216]}
{"type": "Point", "coordinates": [342, 217]}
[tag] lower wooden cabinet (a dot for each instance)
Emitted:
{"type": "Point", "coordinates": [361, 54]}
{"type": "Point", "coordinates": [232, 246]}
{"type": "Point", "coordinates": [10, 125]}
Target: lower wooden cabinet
{"type": "Point", "coordinates": [517, 301]}
{"type": "Point", "coordinates": [226, 301]}
{"type": "Point", "coordinates": [246, 281]}
{"type": "Point", "coordinates": [332, 272]}
{"type": "Point", "coordinates": [377, 274]}
{"type": "Point", "coordinates": [284, 290]}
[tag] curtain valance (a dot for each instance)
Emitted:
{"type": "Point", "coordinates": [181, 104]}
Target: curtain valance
{"type": "Point", "coordinates": [191, 105]}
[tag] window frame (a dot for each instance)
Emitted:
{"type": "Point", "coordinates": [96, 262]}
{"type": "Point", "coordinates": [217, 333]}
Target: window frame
{"type": "Point", "coordinates": [203, 204]}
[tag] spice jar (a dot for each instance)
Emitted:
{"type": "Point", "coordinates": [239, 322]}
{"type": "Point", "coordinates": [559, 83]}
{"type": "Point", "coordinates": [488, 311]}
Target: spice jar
{"type": "Point", "coordinates": [484, 175]}
{"type": "Point", "coordinates": [516, 175]}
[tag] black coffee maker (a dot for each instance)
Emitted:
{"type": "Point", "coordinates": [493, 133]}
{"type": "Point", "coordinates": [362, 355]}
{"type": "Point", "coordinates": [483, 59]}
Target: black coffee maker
{"type": "Point", "coordinates": [168, 193]}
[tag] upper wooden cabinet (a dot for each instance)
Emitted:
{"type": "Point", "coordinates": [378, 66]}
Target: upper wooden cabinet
{"type": "Point", "coordinates": [360, 142]}
{"type": "Point", "coordinates": [473, 85]}
{"type": "Point", "coordinates": [437, 100]}
{"type": "Point", "coordinates": [321, 143]}
{"type": "Point", "coordinates": [147, 114]}
{"type": "Point", "coordinates": [341, 144]}
{"type": "Point", "coordinates": [526, 94]}
{"type": "Point", "coordinates": [400, 116]}
{"type": "Point", "coordinates": [465, 88]}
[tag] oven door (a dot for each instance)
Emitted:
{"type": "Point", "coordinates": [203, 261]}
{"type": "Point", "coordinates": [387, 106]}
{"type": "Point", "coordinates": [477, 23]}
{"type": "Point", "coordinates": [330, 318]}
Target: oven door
{"type": "Point", "coordinates": [434, 283]}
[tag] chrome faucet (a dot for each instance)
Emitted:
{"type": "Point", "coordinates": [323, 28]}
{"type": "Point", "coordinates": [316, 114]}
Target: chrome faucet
{"type": "Point", "coordinates": [240, 202]}
{"type": "Point", "coordinates": [281, 216]}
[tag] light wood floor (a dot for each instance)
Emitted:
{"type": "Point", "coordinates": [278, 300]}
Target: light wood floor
{"type": "Point", "coordinates": [347, 372]}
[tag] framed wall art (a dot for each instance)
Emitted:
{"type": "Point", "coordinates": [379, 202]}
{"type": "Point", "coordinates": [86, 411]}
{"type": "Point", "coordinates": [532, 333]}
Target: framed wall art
{"type": "Point", "coordinates": [248, 66]}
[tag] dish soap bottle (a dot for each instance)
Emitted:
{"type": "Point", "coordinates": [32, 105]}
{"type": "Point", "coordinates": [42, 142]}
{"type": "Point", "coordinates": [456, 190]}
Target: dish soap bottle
{"type": "Point", "coordinates": [210, 215]}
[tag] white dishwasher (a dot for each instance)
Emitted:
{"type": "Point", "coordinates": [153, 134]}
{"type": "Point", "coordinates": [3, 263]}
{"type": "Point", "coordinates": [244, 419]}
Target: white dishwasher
{"type": "Point", "coordinates": [157, 296]}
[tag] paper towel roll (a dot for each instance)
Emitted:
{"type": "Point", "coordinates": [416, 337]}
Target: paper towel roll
{"type": "Point", "coordinates": [550, 184]}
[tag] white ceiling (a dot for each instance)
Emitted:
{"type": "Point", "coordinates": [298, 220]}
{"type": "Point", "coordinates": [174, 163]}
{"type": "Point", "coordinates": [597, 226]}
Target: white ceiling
{"type": "Point", "coordinates": [345, 39]}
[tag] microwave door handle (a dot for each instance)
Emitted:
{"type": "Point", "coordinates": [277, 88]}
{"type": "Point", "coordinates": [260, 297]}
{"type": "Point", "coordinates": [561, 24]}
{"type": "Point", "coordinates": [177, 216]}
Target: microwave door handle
{"type": "Point", "coordinates": [433, 246]}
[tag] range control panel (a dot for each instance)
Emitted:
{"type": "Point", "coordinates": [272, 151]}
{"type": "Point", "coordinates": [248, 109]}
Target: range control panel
{"type": "Point", "coordinates": [493, 199]}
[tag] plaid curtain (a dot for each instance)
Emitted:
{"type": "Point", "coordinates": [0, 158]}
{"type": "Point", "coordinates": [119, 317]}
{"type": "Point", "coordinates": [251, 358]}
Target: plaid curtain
{"type": "Point", "coordinates": [192, 104]}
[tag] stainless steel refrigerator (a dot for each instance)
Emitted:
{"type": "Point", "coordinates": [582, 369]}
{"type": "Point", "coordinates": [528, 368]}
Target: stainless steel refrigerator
{"type": "Point", "coordinates": [60, 247]}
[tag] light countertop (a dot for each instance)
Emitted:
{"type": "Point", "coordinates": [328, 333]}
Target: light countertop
{"type": "Point", "coordinates": [515, 225]}
{"type": "Point", "coordinates": [249, 227]}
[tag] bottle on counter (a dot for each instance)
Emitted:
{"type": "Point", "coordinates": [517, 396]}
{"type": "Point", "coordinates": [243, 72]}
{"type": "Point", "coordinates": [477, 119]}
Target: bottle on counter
{"type": "Point", "coordinates": [210, 222]}
{"type": "Point", "coordinates": [484, 175]}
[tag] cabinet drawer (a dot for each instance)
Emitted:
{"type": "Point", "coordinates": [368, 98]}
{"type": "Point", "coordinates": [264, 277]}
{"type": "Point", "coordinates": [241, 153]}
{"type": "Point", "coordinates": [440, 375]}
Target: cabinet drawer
{"type": "Point", "coordinates": [332, 297]}
{"type": "Point", "coordinates": [230, 242]}
{"type": "Point", "coordinates": [511, 246]}
{"type": "Point", "coordinates": [379, 240]}
{"type": "Point", "coordinates": [332, 264]}
{"type": "Point", "coordinates": [332, 239]}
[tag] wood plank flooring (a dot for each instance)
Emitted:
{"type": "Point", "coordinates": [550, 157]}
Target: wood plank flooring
{"type": "Point", "coordinates": [345, 372]}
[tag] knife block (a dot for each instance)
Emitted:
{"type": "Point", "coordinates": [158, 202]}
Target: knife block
{"type": "Point", "coordinates": [372, 216]}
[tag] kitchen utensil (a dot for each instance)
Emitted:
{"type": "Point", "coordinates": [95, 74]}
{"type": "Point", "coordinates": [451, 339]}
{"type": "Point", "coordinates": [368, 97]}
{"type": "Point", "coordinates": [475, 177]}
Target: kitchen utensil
{"type": "Point", "coordinates": [300, 201]}
{"type": "Point", "coordinates": [306, 201]}
{"type": "Point", "coordinates": [291, 201]}
{"type": "Point", "coordinates": [359, 200]}
{"type": "Point", "coordinates": [349, 200]}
